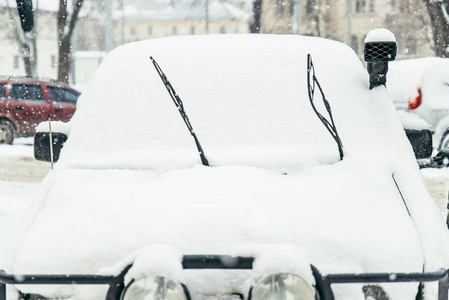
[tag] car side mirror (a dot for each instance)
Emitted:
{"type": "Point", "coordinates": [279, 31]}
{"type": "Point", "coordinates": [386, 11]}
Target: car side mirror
{"type": "Point", "coordinates": [42, 150]}
{"type": "Point", "coordinates": [442, 158]}
{"type": "Point", "coordinates": [421, 141]}
{"type": "Point", "coordinates": [379, 48]}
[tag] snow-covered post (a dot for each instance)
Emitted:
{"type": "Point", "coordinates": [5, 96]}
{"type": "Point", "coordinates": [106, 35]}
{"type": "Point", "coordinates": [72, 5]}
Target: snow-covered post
{"type": "Point", "coordinates": [379, 48]}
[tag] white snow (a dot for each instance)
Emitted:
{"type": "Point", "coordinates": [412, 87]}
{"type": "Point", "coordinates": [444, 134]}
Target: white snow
{"type": "Point", "coordinates": [431, 74]}
{"type": "Point", "coordinates": [283, 259]}
{"type": "Point", "coordinates": [15, 197]}
{"type": "Point", "coordinates": [411, 121]}
{"type": "Point", "coordinates": [380, 35]}
{"type": "Point", "coordinates": [16, 150]}
{"type": "Point", "coordinates": [164, 261]}
{"type": "Point", "coordinates": [130, 176]}
{"type": "Point", "coordinates": [14, 200]}
{"type": "Point", "coordinates": [56, 126]}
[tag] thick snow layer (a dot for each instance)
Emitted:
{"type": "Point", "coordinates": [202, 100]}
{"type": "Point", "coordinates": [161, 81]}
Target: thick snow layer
{"type": "Point", "coordinates": [164, 261]}
{"type": "Point", "coordinates": [130, 177]}
{"type": "Point", "coordinates": [56, 126]}
{"type": "Point", "coordinates": [431, 74]}
{"type": "Point", "coordinates": [15, 198]}
{"type": "Point", "coordinates": [253, 110]}
{"type": "Point", "coordinates": [411, 120]}
{"type": "Point", "coordinates": [218, 210]}
{"type": "Point", "coordinates": [380, 35]}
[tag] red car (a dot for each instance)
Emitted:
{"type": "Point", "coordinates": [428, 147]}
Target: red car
{"type": "Point", "coordinates": [25, 102]}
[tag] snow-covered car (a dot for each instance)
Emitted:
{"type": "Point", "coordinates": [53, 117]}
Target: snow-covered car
{"type": "Point", "coordinates": [250, 187]}
{"type": "Point", "coordinates": [421, 86]}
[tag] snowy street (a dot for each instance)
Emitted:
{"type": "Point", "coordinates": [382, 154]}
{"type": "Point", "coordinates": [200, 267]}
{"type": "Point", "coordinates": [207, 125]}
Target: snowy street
{"type": "Point", "coordinates": [20, 176]}
{"type": "Point", "coordinates": [437, 182]}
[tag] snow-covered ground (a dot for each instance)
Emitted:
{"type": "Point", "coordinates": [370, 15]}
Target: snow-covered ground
{"type": "Point", "coordinates": [15, 197]}
{"type": "Point", "coordinates": [437, 182]}
{"type": "Point", "coordinates": [20, 177]}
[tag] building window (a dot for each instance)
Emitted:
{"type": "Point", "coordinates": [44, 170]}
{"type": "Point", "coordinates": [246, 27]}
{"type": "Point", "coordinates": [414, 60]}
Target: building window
{"type": "Point", "coordinates": [16, 62]}
{"type": "Point", "coordinates": [53, 30]}
{"type": "Point", "coordinates": [403, 6]}
{"type": "Point", "coordinates": [371, 6]}
{"type": "Point", "coordinates": [310, 7]}
{"type": "Point", "coordinates": [410, 46]}
{"type": "Point", "coordinates": [393, 6]}
{"type": "Point", "coordinates": [291, 10]}
{"type": "Point", "coordinates": [132, 32]}
{"type": "Point", "coordinates": [280, 8]}
{"type": "Point", "coordinates": [53, 61]}
{"type": "Point", "coordinates": [355, 44]}
{"type": "Point", "coordinates": [360, 6]}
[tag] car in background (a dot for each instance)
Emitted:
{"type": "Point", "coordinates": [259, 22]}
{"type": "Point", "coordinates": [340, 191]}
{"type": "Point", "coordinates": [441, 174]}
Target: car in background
{"type": "Point", "coordinates": [260, 197]}
{"type": "Point", "coordinates": [421, 87]}
{"type": "Point", "coordinates": [25, 102]}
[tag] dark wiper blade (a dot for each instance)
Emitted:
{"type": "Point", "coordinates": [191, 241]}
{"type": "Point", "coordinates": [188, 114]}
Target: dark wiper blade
{"type": "Point", "coordinates": [177, 101]}
{"type": "Point", "coordinates": [330, 125]}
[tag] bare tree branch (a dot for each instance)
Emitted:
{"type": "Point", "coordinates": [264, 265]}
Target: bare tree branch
{"type": "Point", "coordinates": [65, 32]}
{"type": "Point", "coordinates": [438, 13]}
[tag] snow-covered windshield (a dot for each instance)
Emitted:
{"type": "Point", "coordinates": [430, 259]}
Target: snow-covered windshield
{"type": "Point", "coordinates": [246, 97]}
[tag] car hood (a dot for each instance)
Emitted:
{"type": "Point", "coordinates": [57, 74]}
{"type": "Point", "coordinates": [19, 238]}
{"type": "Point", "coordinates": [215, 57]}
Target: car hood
{"type": "Point", "coordinates": [341, 216]}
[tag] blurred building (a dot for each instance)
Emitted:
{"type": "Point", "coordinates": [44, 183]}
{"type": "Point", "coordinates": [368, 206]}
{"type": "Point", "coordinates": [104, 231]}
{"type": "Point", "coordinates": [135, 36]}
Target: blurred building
{"type": "Point", "coordinates": [134, 20]}
{"type": "Point", "coordinates": [349, 21]}
{"type": "Point", "coordinates": [127, 21]}
{"type": "Point", "coordinates": [11, 36]}
{"type": "Point", "coordinates": [104, 25]}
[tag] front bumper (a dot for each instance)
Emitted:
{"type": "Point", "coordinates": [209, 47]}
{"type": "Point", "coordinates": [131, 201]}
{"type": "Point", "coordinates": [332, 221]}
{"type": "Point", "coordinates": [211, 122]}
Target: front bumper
{"type": "Point", "coordinates": [323, 283]}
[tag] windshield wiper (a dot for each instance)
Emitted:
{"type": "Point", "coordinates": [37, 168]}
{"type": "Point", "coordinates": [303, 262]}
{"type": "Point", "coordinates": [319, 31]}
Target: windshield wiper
{"type": "Point", "coordinates": [330, 126]}
{"type": "Point", "coordinates": [177, 101]}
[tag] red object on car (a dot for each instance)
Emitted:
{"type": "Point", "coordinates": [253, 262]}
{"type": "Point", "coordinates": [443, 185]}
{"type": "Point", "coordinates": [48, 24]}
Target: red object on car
{"type": "Point", "coordinates": [415, 102]}
{"type": "Point", "coordinates": [25, 102]}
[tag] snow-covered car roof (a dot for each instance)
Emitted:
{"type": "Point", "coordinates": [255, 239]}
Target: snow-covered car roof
{"type": "Point", "coordinates": [130, 176]}
{"type": "Point", "coordinates": [248, 105]}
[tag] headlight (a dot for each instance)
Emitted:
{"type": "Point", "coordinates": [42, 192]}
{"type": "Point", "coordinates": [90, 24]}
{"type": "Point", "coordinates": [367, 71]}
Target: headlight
{"type": "Point", "coordinates": [154, 288]}
{"type": "Point", "coordinates": [282, 286]}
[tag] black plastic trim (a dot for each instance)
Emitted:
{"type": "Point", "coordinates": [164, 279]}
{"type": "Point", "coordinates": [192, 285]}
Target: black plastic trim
{"type": "Point", "coordinates": [217, 262]}
{"type": "Point", "coordinates": [323, 283]}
